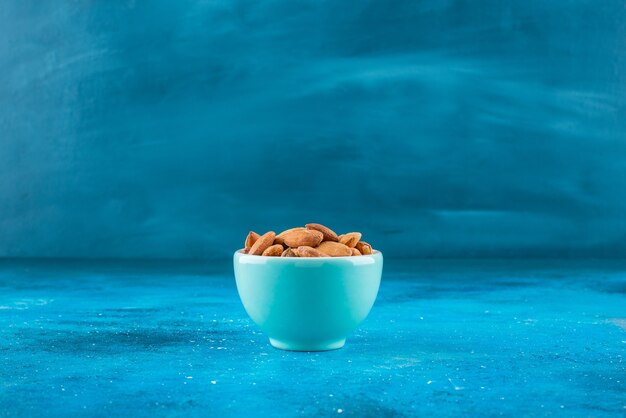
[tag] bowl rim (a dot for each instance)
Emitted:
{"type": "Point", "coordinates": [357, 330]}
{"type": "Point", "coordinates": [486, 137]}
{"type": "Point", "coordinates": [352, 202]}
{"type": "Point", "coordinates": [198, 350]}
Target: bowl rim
{"type": "Point", "coordinates": [376, 253]}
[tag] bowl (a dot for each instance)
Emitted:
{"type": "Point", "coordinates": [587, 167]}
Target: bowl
{"type": "Point", "coordinates": [308, 304]}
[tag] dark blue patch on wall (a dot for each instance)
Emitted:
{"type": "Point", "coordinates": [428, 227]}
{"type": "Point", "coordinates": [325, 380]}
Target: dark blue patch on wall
{"type": "Point", "coordinates": [439, 128]}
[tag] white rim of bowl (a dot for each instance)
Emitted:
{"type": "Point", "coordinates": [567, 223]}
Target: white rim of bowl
{"type": "Point", "coordinates": [375, 252]}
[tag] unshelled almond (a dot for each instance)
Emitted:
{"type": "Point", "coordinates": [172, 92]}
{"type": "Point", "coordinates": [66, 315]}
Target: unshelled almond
{"type": "Point", "coordinates": [334, 249]}
{"type": "Point", "coordinates": [273, 250]}
{"type": "Point", "coordinates": [329, 234]}
{"type": "Point", "coordinates": [350, 239]}
{"type": "Point", "coordinates": [280, 237]}
{"type": "Point", "coordinates": [364, 247]}
{"type": "Point", "coordinates": [313, 240]}
{"type": "Point", "coordinates": [289, 252]}
{"type": "Point", "coordinates": [303, 237]}
{"type": "Point", "coordinates": [251, 239]}
{"type": "Point", "coordinates": [263, 243]}
{"type": "Point", "coordinates": [306, 251]}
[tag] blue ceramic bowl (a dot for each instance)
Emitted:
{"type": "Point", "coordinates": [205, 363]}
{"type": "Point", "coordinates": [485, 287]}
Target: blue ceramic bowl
{"type": "Point", "coordinates": [308, 304]}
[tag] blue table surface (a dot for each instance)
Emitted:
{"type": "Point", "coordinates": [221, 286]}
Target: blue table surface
{"type": "Point", "coordinates": [486, 338]}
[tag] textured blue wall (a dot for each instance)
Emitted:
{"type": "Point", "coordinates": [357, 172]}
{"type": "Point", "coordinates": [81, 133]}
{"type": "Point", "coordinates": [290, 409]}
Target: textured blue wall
{"type": "Point", "coordinates": [438, 128]}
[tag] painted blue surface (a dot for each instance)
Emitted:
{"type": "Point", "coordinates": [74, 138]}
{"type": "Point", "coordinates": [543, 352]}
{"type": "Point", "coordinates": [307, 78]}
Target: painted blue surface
{"type": "Point", "coordinates": [170, 128]}
{"type": "Point", "coordinates": [471, 338]}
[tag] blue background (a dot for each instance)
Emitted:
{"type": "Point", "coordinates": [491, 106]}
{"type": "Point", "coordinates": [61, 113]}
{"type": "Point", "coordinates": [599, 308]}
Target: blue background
{"type": "Point", "coordinates": [438, 128]}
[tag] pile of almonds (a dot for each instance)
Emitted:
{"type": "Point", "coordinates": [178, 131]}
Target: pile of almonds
{"type": "Point", "coordinates": [314, 240]}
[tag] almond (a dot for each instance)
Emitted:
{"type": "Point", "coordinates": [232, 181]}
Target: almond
{"type": "Point", "coordinates": [273, 251]}
{"type": "Point", "coordinates": [306, 251]}
{"type": "Point", "coordinates": [355, 251]}
{"type": "Point", "coordinates": [245, 251]}
{"type": "Point", "coordinates": [263, 243]}
{"type": "Point", "coordinates": [251, 239]}
{"type": "Point", "coordinates": [350, 239]}
{"type": "Point", "coordinates": [329, 234]}
{"type": "Point", "coordinates": [303, 237]}
{"type": "Point", "coordinates": [289, 252]}
{"type": "Point", "coordinates": [364, 247]}
{"type": "Point", "coordinates": [334, 249]}
{"type": "Point", "coordinates": [280, 237]}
